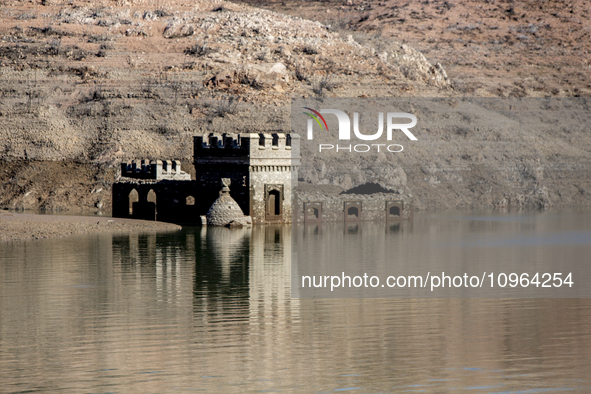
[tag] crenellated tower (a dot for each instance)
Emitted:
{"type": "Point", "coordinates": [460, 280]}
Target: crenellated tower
{"type": "Point", "coordinates": [262, 167]}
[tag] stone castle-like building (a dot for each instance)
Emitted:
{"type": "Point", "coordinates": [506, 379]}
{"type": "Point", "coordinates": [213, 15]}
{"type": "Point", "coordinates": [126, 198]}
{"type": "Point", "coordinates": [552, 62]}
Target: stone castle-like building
{"type": "Point", "coordinates": [241, 179]}
{"type": "Point", "coordinates": [260, 170]}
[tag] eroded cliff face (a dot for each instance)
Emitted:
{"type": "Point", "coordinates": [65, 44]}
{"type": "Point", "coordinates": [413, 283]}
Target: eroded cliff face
{"type": "Point", "coordinates": [85, 85]}
{"type": "Point", "coordinates": [497, 48]}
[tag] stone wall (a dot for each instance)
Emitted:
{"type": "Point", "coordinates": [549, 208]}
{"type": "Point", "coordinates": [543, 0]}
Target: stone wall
{"type": "Point", "coordinates": [167, 201]}
{"type": "Point", "coordinates": [321, 207]}
{"type": "Point", "coordinates": [262, 168]}
{"type": "Point", "coordinates": [154, 169]}
{"type": "Point", "coordinates": [266, 184]}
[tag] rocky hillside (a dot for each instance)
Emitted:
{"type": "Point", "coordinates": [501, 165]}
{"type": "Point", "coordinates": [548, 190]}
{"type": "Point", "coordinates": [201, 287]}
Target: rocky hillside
{"type": "Point", "coordinates": [497, 48]}
{"type": "Point", "coordinates": [86, 84]}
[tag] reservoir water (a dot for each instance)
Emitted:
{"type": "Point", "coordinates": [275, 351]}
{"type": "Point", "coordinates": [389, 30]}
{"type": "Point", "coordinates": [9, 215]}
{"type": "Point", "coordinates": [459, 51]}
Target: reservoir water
{"type": "Point", "coordinates": [211, 310]}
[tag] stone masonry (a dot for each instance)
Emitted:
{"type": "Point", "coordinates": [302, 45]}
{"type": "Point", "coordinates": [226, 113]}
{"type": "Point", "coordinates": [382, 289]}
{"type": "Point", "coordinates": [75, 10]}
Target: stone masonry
{"type": "Point", "coordinates": [262, 169]}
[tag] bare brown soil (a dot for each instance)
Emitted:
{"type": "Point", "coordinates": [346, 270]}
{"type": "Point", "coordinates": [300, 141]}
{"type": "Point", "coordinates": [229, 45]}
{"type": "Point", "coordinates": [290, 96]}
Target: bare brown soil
{"type": "Point", "coordinates": [87, 84]}
{"type": "Point", "coordinates": [488, 48]}
{"type": "Point", "coordinates": [84, 85]}
{"type": "Point", "coordinates": [19, 226]}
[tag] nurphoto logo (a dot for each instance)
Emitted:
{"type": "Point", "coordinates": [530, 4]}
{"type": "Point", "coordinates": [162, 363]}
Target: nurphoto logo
{"type": "Point", "coordinates": [344, 130]}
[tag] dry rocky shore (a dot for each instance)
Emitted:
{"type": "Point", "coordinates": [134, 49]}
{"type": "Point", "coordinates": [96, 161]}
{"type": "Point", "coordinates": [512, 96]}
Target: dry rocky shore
{"type": "Point", "coordinates": [86, 84]}
{"type": "Point", "coordinates": [17, 226]}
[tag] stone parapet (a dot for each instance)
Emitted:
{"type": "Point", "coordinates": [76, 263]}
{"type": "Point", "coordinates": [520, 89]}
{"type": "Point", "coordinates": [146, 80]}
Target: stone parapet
{"type": "Point", "coordinates": [154, 169]}
{"type": "Point", "coordinates": [274, 148]}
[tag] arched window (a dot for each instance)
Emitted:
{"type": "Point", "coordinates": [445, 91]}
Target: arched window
{"type": "Point", "coordinates": [133, 198]}
{"type": "Point", "coordinates": [315, 213]}
{"type": "Point", "coordinates": [190, 200]}
{"type": "Point", "coordinates": [352, 210]}
{"type": "Point", "coordinates": [152, 196]}
{"type": "Point", "coordinates": [394, 210]}
{"type": "Point", "coordinates": [312, 212]}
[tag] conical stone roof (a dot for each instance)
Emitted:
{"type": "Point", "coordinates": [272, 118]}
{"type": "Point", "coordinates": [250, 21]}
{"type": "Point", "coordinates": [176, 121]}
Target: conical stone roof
{"type": "Point", "coordinates": [223, 211]}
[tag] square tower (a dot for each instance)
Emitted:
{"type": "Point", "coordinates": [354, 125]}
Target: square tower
{"type": "Point", "coordinates": [262, 167]}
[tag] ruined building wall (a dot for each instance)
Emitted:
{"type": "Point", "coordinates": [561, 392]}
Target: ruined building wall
{"type": "Point", "coordinates": [317, 207]}
{"type": "Point", "coordinates": [263, 170]}
{"type": "Point", "coordinates": [168, 201]}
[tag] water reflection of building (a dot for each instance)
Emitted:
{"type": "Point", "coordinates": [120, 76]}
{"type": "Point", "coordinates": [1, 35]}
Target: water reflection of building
{"type": "Point", "coordinates": [75, 308]}
{"type": "Point", "coordinates": [251, 265]}
{"type": "Point", "coordinates": [158, 262]}
{"type": "Point", "coordinates": [270, 271]}
{"type": "Point", "coordinates": [240, 301]}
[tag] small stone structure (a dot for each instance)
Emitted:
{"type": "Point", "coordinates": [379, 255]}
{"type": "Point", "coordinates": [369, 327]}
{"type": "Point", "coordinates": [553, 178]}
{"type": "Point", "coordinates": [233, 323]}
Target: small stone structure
{"type": "Point", "coordinates": [324, 207]}
{"type": "Point", "coordinates": [225, 211]}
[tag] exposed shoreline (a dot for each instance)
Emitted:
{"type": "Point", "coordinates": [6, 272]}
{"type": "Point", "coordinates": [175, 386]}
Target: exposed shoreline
{"type": "Point", "coordinates": [22, 226]}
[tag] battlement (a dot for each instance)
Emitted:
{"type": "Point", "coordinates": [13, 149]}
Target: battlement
{"type": "Point", "coordinates": [154, 169]}
{"type": "Point", "coordinates": [250, 145]}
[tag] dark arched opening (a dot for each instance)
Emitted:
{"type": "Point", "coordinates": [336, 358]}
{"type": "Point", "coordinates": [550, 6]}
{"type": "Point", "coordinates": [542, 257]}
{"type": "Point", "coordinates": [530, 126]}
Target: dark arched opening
{"type": "Point", "coordinates": [133, 198]}
{"type": "Point", "coordinates": [315, 213]}
{"type": "Point", "coordinates": [152, 196]}
{"type": "Point", "coordinates": [150, 213]}
{"type": "Point", "coordinates": [394, 211]}
{"type": "Point", "coordinates": [274, 203]}
{"type": "Point", "coordinates": [353, 213]}
{"type": "Point", "coordinates": [312, 212]}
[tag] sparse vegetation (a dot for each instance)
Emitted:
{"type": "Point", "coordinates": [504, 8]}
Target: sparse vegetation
{"type": "Point", "coordinates": [199, 49]}
{"type": "Point", "coordinates": [226, 106]}
{"type": "Point", "coordinates": [164, 129]}
{"type": "Point", "coordinates": [96, 94]}
{"type": "Point", "coordinates": [250, 79]}
{"type": "Point", "coordinates": [310, 50]}
{"type": "Point", "coordinates": [323, 85]}
{"type": "Point", "coordinates": [25, 16]}
{"type": "Point", "coordinates": [301, 72]}
{"type": "Point", "coordinates": [161, 13]}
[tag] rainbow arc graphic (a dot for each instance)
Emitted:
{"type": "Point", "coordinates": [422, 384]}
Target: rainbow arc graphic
{"type": "Point", "coordinates": [317, 117]}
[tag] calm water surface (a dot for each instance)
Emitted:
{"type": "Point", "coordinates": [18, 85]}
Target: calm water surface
{"type": "Point", "coordinates": [210, 310]}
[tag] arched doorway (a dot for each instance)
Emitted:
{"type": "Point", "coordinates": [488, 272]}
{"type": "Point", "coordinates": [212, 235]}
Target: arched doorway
{"type": "Point", "coordinates": [133, 199]}
{"type": "Point", "coordinates": [274, 203]}
{"type": "Point", "coordinates": [274, 209]}
{"type": "Point", "coordinates": [151, 205]}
